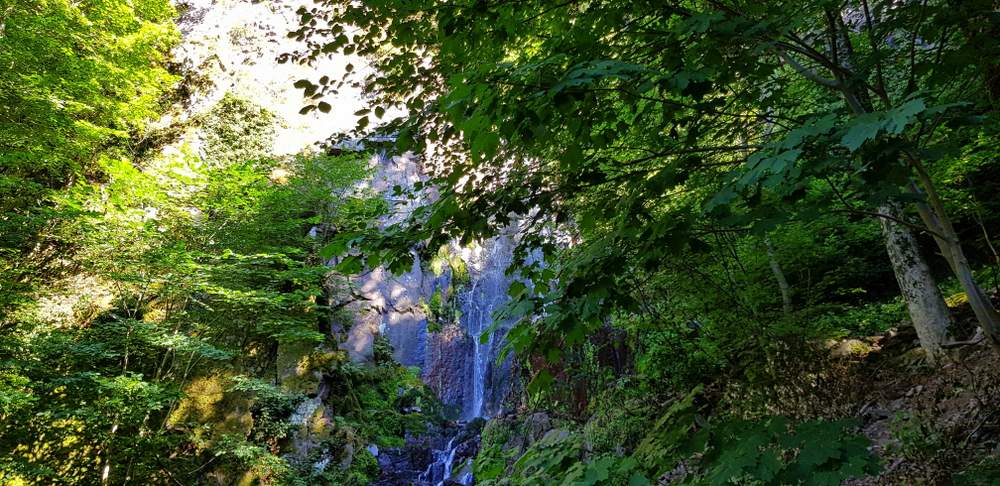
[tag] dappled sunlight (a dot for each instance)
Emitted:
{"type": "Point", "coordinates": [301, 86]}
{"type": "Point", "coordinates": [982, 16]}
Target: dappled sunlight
{"type": "Point", "coordinates": [75, 301]}
{"type": "Point", "coordinates": [426, 243]}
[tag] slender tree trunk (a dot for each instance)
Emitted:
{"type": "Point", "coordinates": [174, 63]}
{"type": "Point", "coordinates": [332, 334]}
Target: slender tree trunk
{"type": "Point", "coordinates": [923, 298]}
{"type": "Point", "coordinates": [924, 301]}
{"type": "Point", "coordinates": [841, 53]}
{"type": "Point", "coordinates": [934, 217]}
{"type": "Point", "coordinates": [779, 275]}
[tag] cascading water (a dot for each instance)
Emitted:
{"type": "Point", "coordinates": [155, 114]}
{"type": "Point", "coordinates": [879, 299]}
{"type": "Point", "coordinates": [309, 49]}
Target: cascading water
{"type": "Point", "coordinates": [463, 371]}
{"type": "Point", "coordinates": [479, 299]}
{"type": "Point", "coordinates": [487, 292]}
{"type": "Point", "coordinates": [235, 44]}
{"type": "Point", "coordinates": [490, 378]}
{"type": "Point", "coordinates": [443, 460]}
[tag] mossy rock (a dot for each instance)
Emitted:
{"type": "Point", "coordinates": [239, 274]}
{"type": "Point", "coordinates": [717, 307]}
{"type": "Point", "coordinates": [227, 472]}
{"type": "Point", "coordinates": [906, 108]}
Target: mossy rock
{"type": "Point", "coordinates": [319, 425]}
{"type": "Point", "coordinates": [206, 401]}
{"type": "Point", "coordinates": [850, 348]}
{"type": "Point", "coordinates": [445, 259]}
{"type": "Point", "coordinates": [300, 366]}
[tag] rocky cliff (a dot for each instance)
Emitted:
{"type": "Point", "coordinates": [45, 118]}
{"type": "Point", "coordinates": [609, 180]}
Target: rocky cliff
{"type": "Point", "coordinates": [434, 314]}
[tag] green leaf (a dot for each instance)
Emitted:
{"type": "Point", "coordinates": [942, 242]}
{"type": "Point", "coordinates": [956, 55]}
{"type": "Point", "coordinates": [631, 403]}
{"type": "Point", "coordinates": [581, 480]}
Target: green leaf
{"type": "Point", "coordinates": [517, 288]}
{"type": "Point", "coordinates": [349, 265]}
{"type": "Point", "coordinates": [339, 246]}
{"type": "Point", "coordinates": [637, 479]}
{"type": "Point", "coordinates": [901, 116]}
{"type": "Point", "coordinates": [542, 381]}
{"type": "Point", "coordinates": [860, 130]}
{"type": "Point", "coordinates": [720, 199]}
{"type": "Point", "coordinates": [485, 145]}
{"type": "Point", "coordinates": [819, 126]}
{"type": "Point", "coordinates": [868, 126]}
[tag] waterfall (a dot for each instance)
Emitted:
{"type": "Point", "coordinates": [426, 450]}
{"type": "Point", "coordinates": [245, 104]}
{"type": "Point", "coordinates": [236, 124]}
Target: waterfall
{"type": "Point", "coordinates": [483, 377]}
{"type": "Point", "coordinates": [442, 460]}
{"type": "Point", "coordinates": [486, 293]}
{"type": "Point", "coordinates": [464, 372]}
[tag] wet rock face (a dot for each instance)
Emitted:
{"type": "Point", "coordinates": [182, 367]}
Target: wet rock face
{"type": "Point", "coordinates": [447, 367]}
{"type": "Point", "coordinates": [458, 367]}
{"type": "Point", "coordinates": [400, 466]}
{"type": "Point", "coordinates": [391, 305]}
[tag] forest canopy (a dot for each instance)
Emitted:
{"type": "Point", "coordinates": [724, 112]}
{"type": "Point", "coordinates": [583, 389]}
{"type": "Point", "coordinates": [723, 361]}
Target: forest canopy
{"type": "Point", "coordinates": [654, 127]}
{"type": "Point", "coordinates": [709, 182]}
{"type": "Point", "coordinates": [754, 243]}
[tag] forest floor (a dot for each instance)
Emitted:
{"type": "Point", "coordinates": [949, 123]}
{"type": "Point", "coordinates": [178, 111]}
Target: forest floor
{"type": "Point", "coordinates": [926, 423]}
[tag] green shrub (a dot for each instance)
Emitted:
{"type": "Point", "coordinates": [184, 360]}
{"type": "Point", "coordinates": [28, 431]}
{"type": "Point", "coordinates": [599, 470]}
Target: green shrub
{"type": "Point", "coordinates": [770, 451]}
{"type": "Point", "coordinates": [985, 472]}
{"type": "Point", "coordinates": [237, 130]}
{"type": "Point", "coordinates": [914, 436]}
{"type": "Point", "coordinates": [865, 320]}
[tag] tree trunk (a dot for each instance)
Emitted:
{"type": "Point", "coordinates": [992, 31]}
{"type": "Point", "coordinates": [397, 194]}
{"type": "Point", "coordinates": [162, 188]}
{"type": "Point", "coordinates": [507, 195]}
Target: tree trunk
{"type": "Point", "coordinates": [923, 298]}
{"type": "Point", "coordinates": [933, 215]}
{"type": "Point", "coordinates": [779, 275]}
{"type": "Point", "coordinates": [924, 301]}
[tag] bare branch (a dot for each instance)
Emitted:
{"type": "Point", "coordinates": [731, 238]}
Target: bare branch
{"type": "Point", "coordinates": [809, 73]}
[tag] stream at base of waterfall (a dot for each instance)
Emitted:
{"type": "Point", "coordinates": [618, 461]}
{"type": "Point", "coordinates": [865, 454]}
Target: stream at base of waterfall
{"type": "Point", "coordinates": [440, 458]}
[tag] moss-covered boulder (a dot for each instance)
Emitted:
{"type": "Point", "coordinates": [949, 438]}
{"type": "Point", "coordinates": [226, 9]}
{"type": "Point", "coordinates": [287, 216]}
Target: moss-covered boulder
{"type": "Point", "coordinates": [209, 410]}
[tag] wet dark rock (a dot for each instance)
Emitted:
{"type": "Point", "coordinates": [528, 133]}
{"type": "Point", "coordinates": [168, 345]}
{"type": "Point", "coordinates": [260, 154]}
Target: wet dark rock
{"type": "Point", "coordinates": [424, 460]}
{"type": "Point", "coordinates": [536, 426]}
{"type": "Point", "coordinates": [446, 370]}
{"type": "Point", "coordinates": [400, 465]}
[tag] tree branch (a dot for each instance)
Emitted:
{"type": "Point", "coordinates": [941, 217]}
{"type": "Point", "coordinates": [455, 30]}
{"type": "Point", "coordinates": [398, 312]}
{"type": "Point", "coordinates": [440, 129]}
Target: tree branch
{"type": "Point", "coordinates": [809, 73]}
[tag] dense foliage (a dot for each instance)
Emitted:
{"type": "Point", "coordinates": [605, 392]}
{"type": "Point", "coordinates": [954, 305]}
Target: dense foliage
{"type": "Point", "coordinates": [80, 82]}
{"type": "Point", "coordinates": [714, 185]}
{"type": "Point", "coordinates": [165, 315]}
{"type": "Point", "coordinates": [200, 280]}
{"type": "Point", "coordinates": [729, 215]}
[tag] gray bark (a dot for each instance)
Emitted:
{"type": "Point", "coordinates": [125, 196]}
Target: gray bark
{"type": "Point", "coordinates": [779, 275]}
{"type": "Point", "coordinates": [933, 216]}
{"type": "Point", "coordinates": [924, 301]}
